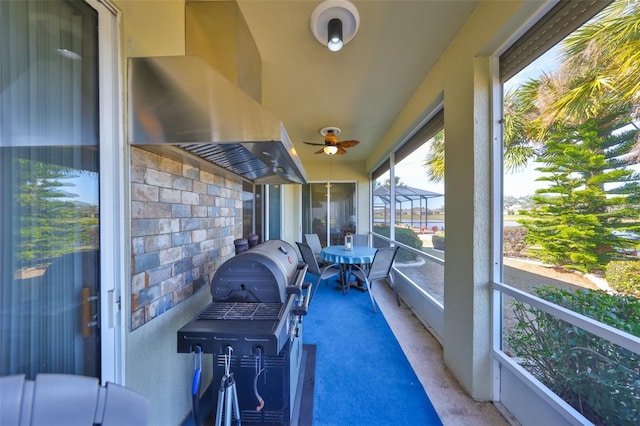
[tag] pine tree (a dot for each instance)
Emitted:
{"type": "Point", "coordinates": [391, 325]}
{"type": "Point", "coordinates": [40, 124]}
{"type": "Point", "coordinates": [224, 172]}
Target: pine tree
{"type": "Point", "coordinates": [591, 193]}
{"type": "Point", "coordinates": [51, 224]}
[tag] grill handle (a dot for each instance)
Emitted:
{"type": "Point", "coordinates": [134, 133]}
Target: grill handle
{"type": "Point", "coordinates": [296, 287]}
{"type": "Point", "coordinates": [304, 308]}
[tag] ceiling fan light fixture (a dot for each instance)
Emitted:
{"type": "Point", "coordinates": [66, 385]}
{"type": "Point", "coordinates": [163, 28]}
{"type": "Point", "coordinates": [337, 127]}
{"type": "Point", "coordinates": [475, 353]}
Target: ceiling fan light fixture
{"type": "Point", "coordinates": [334, 23]}
{"type": "Point", "coordinates": [334, 37]}
{"type": "Point", "coordinates": [330, 149]}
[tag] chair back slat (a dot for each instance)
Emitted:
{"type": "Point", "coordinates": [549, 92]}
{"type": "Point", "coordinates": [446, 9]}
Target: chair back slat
{"type": "Point", "coordinates": [313, 241]}
{"type": "Point", "coordinates": [382, 263]}
{"type": "Point", "coordinates": [360, 240]}
{"type": "Point", "coordinates": [309, 258]}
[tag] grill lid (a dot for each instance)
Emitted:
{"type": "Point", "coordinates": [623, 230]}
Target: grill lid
{"type": "Point", "coordinates": [258, 275]}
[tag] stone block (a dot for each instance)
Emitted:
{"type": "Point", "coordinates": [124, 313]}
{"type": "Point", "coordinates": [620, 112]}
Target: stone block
{"type": "Point", "coordinates": [157, 242]}
{"type": "Point", "coordinates": [137, 174]}
{"type": "Point", "coordinates": [190, 250]}
{"type": "Point", "coordinates": [137, 209]}
{"type": "Point", "coordinates": [158, 178]}
{"type": "Point", "coordinates": [157, 210]}
{"type": "Point", "coordinates": [207, 246]}
{"type": "Point", "coordinates": [199, 187]}
{"type": "Point", "coordinates": [190, 198]}
{"type": "Point", "coordinates": [137, 318]}
{"type": "Point", "coordinates": [189, 224]}
{"type": "Point", "coordinates": [145, 262]}
{"type": "Point", "coordinates": [213, 211]}
{"type": "Point", "coordinates": [148, 295]}
{"type": "Point", "coordinates": [167, 195]}
{"type": "Point", "coordinates": [182, 265]}
{"type": "Point", "coordinates": [206, 177]}
{"type": "Point", "coordinates": [180, 210]}
{"type": "Point", "coordinates": [169, 255]}
{"type": "Point", "coordinates": [180, 238]}
{"type": "Point", "coordinates": [182, 293]}
{"type": "Point", "coordinates": [198, 235]}
{"type": "Point", "coordinates": [199, 211]}
{"type": "Point", "coordinates": [137, 245]}
{"type": "Point", "coordinates": [200, 259]}
{"type": "Point", "coordinates": [168, 165]}
{"type": "Point", "coordinates": [142, 227]}
{"type": "Point", "coordinates": [168, 226]}
{"type": "Point", "coordinates": [190, 172]}
{"type": "Point", "coordinates": [143, 192]}
{"type": "Point", "coordinates": [139, 281]}
{"type": "Point", "coordinates": [142, 157]}
{"type": "Point", "coordinates": [159, 274]}
{"type": "Point", "coordinates": [182, 183]}
{"type": "Point", "coordinates": [213, 190]}
{"type": "Point", "coordinates": [172, 284]}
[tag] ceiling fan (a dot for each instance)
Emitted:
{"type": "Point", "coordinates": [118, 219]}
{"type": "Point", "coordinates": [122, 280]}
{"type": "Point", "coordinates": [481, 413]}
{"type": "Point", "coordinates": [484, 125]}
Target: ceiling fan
{"type": "Point", "coordinates": [331, 144]}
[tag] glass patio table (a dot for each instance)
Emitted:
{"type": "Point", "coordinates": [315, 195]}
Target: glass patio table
{"type": "Point", "coordinates": [345, 258]}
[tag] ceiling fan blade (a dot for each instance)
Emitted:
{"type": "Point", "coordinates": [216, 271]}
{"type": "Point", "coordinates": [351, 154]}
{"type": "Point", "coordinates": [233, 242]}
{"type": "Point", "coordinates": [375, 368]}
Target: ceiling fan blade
{"type": "Point", "coordinates": [312, 143]}
{"type": "Point", "coordinates": [341, 151]}
{"type": "Point", "coordinates": [320, 151]}
{"type": "Point", "coordinates": [348, 144]}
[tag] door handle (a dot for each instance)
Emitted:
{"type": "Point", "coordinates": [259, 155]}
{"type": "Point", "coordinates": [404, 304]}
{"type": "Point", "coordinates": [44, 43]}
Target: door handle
{"type": "Point", "coordinates": [88, 318]}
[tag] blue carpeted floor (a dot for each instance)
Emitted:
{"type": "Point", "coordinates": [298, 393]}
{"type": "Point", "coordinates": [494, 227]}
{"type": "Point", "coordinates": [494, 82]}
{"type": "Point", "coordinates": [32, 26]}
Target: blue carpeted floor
{"type": "Point", "coordinates": [362, 377]}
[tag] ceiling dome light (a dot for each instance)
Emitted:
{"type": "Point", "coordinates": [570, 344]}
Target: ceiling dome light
{"type": "Point", "coordinates": [334, 36]}
{"type": "Point", "coordinates": [330, 150]}
{"type": "Point", "coordinates": [334, 23]}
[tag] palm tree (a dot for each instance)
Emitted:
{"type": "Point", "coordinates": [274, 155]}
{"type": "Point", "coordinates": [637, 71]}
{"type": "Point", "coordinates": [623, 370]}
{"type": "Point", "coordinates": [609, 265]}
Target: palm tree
{"type": "Point", "coordinates": [434, 163]}
{"type": "Point", "coordinates": [602, 61]}
{"type": "Point", "coordinates": [601, 70]}
{"type": "Point", "coordinates": [607, 53]}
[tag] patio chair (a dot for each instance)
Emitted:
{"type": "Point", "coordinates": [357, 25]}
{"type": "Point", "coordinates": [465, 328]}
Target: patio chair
{"type": "Point", "coordinates": [380, 269]}
{"type": "Point", "coordinates": [360, 240]}
{"type": "Point", "coordinates": [323, 273]}
{"type": "Point", "coordinates": [313, 240]}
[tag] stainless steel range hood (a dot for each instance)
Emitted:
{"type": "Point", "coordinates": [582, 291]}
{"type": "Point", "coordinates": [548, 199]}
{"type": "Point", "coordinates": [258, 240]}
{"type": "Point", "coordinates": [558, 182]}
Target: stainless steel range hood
{"type": "Point", "coordinates": [182, 104]}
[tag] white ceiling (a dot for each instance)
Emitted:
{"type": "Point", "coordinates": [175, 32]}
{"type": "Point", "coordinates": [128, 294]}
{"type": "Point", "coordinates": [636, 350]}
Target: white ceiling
{"type": "Point", "coordinates": [360, 89]}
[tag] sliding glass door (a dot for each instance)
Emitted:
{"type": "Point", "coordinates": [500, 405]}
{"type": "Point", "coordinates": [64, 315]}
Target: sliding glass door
{"type": "Point", "coordinates": [49, 169]}
{"type": "Point", "coordinates": [329, 211]}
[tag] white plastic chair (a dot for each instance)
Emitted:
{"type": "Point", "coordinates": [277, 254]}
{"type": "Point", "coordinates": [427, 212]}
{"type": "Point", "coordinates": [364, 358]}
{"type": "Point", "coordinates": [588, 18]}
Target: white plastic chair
{"type": "Point", "coordinates": [70, 400]}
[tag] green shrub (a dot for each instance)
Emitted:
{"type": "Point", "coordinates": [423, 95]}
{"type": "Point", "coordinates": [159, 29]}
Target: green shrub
{"type": "Point", "coordinates": [514, 244]}
{"type": "Point", "coordinates": [405, 236]}
{"type": "Point", "coordinates": [438, 241]}
{"type": "Point", "coordinates": [624, 276]}
{"type": "Point", "coordinates": [596, 377]}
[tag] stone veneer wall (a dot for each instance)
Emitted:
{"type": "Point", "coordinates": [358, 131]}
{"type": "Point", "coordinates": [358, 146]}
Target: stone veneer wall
{"type": "Point", "coordinates": [183, 224]}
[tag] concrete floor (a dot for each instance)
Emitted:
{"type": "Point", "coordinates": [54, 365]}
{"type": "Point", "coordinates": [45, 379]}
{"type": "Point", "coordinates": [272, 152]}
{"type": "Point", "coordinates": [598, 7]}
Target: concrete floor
{"type": "Point", "coordinates": [423, 351]}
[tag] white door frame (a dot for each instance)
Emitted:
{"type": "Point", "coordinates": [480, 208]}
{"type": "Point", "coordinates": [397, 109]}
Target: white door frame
{"type": "Point", "coordinates": [113, 200]}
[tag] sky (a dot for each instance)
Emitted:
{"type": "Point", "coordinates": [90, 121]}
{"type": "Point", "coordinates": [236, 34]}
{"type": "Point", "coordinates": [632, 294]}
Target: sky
{"type": "Point", "coordinates": [86, 187]}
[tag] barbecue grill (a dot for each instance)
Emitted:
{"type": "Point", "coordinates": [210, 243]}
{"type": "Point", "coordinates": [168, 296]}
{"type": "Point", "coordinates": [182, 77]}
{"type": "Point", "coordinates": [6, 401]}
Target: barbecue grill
{"type": "Point", "coordinates": [253, 326]}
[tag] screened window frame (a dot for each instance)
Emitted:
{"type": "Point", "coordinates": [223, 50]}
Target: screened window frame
{"type": "Point", "coordinates": [560, 21]}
